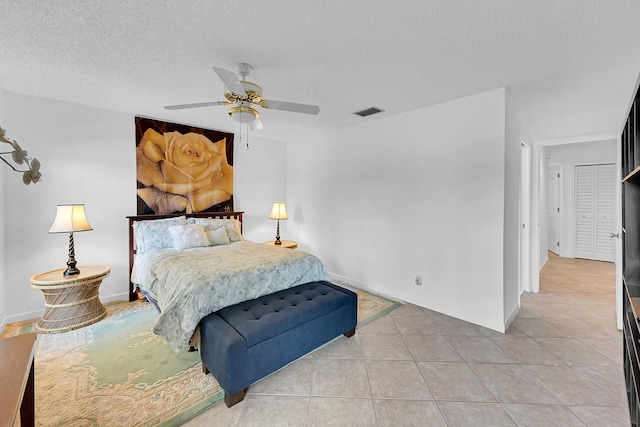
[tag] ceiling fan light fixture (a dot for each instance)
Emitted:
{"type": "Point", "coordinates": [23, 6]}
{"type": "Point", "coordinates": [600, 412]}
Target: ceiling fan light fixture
{"type": "Point", "coordinates": [245, 95]}
{"type": "Point", "coordinates": [243, 114]}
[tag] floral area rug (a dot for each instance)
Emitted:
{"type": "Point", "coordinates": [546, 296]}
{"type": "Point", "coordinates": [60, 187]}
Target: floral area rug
{"type": "Point", "coordinates": [372, 307]}
{"type": "Point", "coordinates": [116, 372]}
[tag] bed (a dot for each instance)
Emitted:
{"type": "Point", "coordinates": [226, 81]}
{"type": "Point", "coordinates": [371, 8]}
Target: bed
{"type": "Point", "coordinates": [188, 276]}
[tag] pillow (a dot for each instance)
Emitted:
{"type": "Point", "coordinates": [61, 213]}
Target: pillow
{"type": "Point", "coordinates": [188, 236]}
{"type": "Point", "coordinates": [217, 236]}
{"type": "Point", "coordinates": [232, 226]}
{"type": "Point", "coordinates": [234, 229]}
{"type": "Point", "coordinates": [153, 234]}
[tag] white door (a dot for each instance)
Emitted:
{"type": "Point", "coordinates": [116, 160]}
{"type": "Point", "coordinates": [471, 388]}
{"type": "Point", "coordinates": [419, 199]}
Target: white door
{"type": "Point", "coordinates": [595, 198]}
{"type": "Point", "coordinates": [553, 208]}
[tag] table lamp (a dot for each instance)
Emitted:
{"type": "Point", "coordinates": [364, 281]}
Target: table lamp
{"type": "Point", "coordinates": [278, 211]}
{"type": "Point", "coordinates": [70, 219]}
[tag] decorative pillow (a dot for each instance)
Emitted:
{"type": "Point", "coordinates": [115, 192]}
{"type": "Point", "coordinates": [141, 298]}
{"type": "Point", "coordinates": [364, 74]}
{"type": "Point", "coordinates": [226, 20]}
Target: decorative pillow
{"type": "Point", "coordinates": [234, 229]}
{"type": "Point", "coordinates": [188, 236]}
{"type": "Point", "coordinates": [153, 234]}
{"type": "Point", "coordinates": [232, 226]}
{"type": "Point", "coordinates": [217, 236]}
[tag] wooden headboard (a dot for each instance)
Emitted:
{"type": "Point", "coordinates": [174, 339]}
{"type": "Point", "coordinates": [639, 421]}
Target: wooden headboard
{"type": "Point", "coordinates": [133, 295]}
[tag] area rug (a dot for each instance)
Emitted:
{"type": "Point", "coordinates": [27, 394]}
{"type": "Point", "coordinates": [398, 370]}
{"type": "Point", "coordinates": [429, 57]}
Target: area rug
{"type": "Point", "coordinates": [372, 307]}
{"type": "Point", "coordinates": [118, 373]}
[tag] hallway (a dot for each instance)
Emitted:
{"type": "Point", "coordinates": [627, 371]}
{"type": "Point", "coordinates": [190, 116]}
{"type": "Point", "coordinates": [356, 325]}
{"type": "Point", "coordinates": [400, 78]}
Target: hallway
{"type": "Point", "coordinates": [574, 317]}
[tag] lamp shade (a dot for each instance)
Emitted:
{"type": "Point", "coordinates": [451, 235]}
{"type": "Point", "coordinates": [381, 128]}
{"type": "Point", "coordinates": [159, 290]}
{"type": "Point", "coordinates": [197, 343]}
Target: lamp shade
{"type": "Point", "coordinates": [70, 219]}
{"type": "Point", "coordinates": [278, 211]}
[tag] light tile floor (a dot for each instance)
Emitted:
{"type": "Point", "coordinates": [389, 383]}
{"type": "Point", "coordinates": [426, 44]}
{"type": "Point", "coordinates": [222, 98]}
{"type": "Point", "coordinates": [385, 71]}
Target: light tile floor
{"type": "Point", "coordinates": [559, 364]}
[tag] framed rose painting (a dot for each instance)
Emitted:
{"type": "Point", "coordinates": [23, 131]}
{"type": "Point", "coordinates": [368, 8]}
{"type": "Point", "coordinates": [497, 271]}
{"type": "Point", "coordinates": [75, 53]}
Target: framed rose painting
{"type": "Point", "coordinates": [181, 168]}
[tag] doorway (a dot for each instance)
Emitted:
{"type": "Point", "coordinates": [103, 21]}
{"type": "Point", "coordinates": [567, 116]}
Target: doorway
{"type": "Point", "coordinates": [596, 149]}
{"type": "Point", "coordinates": [554, 196]}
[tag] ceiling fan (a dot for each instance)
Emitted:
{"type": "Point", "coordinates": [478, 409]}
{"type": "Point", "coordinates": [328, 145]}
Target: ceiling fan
{"type": "Point", "coordinates": [244, 95]}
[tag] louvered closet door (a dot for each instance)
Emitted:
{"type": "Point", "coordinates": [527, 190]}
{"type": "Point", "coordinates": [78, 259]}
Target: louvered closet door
{"type": "Point", "coordinates": [595, 192]}
{"type": "Point", "coordinates": [585, 207]}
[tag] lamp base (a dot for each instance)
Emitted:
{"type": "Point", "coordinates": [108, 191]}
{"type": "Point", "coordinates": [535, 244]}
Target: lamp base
{"type": "Point", "coordinates": [71, 271]}
{"type": "Point", "coordinates": [71, 263]}
{"type": "Point", "coordinates": [278, 242]}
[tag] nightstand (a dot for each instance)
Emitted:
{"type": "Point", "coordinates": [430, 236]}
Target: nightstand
{"type": "Point", "coordinates": [289, 244]}
{"type": "Point", "coordinates": [71, 302]}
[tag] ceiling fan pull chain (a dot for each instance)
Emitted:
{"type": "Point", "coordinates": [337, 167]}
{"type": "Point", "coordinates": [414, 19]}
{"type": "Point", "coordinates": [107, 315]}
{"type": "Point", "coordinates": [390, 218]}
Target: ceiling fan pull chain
{"type": "Point", "coordinates": [247, 138]}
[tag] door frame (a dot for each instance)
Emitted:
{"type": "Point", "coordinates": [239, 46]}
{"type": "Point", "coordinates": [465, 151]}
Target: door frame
{"type": "Point", "coordinates": [538, 210]}
{"type": "Point", "coordinates": [560, 217]}
{"type": "Point", "coordinates": [524, 265]}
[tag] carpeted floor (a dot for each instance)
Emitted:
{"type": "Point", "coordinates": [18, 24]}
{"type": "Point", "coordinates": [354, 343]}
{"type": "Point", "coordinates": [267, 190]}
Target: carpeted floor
{"type": "Point", "coordinates": [117, 372]}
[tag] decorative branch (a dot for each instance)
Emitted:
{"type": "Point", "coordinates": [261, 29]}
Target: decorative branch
{"type": "Point", "coordinates": [20, 156]}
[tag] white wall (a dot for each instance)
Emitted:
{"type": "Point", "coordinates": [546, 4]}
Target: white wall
{"type": "Point", "coordinates": [568, 156]}
{"type": "Point", "coordinates": [5, 170]}
{"type": "Point", "coordinates": [575, 125]}
{"type": "Point", "coordinates": [417, 193]}
{"type": "Point", "coordinates": [516, 132]}
{"type": "Point", "coordinates": [88, 156]}
{"type": "Point", "coordinates": [260, 175]}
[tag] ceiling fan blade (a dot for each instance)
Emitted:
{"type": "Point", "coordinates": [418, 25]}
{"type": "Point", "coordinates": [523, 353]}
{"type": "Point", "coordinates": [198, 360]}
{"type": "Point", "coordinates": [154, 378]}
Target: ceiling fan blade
{"type": "Point", "coordinates": [195, 105]}
{"type": "Point", "coordinates": [292, 106]}
{"type": "Point", "coordinates": [230, 80]}
{"type": "Point", "coordinates": [256, 124]}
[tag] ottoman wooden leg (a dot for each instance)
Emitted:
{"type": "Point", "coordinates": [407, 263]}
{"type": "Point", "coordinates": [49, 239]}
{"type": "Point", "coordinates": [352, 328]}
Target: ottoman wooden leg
{"type": "Point", "coordinates": [234, 398]}
{"type": "Point", "coordinates": [350, 333]}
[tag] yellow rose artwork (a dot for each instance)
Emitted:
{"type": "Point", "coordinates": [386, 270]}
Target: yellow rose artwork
{"type": "Point", "coordinates": [182, 172]}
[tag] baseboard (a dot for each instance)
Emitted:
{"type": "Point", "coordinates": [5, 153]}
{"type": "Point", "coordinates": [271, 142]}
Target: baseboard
{"type": "Point", "coordinates": [115, 297]}
{"type": "Point", "coordinates": [511, 317]}
{"type": "Point", "coordinates": [28, 315]}
{"type": "Point", "coordinates": [355, 285]}
{"type": "Point", "coordinates": [543, 261]}
{"type": "Point", "coordinates": [38, 313]}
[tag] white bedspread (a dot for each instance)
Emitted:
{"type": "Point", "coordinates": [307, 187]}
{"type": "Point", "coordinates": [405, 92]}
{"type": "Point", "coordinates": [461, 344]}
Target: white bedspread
{"type": "Point", "coordinates": [192, 283]}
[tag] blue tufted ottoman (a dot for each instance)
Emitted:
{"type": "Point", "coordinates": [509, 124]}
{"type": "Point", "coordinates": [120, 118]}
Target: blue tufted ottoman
{"type": "Point", "coordinates": [246, 342]}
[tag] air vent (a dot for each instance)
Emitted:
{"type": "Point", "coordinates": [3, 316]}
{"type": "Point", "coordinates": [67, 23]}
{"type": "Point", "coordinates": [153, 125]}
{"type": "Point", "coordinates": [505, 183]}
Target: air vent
{"type": "Point", "coordinates": [369, 111]}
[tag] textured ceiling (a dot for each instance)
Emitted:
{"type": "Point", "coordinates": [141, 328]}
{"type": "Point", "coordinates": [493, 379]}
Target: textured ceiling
{"type": "Point", "coordinates": [556, 57]}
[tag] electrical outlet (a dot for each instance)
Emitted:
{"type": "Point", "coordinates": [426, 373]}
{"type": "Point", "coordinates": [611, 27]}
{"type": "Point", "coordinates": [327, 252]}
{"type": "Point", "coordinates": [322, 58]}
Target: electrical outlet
{"type": "Point", "coordinates": [418, 280]}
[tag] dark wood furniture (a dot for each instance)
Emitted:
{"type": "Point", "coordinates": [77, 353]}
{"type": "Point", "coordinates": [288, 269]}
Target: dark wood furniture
{"type": "Point", "coordinates": [630, 144]}
{"type": "Point", "coordinates": [133, 295]}
{"type": "Point", "coordinates": [17, 393]}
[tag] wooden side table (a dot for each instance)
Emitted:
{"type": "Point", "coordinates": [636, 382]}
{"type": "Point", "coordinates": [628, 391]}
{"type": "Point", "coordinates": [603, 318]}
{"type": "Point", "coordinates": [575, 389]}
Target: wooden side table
{"type": "Point", "coordinates": [290, 244]}
{"type": "Point", "coordinates": [17, 394]}
{"type": "Point", "coordinates": [70, 302]}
